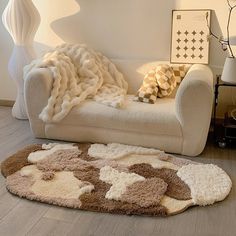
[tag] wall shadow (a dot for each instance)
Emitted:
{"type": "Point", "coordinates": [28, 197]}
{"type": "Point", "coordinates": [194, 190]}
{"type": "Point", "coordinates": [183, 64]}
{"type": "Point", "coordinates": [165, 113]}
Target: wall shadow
{"type": "Point", "coordinates": [217, 55]}
{"type": "Point", "coordinates": [121, 29]}
{"type": "Point", "coordinates": [41, 48]}
{"type": "Point", "coordinates": [129, 29]}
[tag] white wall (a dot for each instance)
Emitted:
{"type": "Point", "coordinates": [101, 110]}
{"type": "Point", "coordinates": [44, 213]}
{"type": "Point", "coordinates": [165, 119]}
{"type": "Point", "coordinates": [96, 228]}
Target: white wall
{"type": "Point", "coordinates": [134, 29]}
{"type": "Point", "coordinates": [121, 29]}
{"type": "Point", "coordinates": [7, 87]}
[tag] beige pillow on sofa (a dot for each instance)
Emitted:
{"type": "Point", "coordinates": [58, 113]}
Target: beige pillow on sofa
{"type": "Point", "coordinates": [148, 91]}
{"type": "Point", "coordinates": [161, 82]}
{"type": "Point", "coordinates": [180, 71]}
{"type": "Point", "coordinates": [166, 80]}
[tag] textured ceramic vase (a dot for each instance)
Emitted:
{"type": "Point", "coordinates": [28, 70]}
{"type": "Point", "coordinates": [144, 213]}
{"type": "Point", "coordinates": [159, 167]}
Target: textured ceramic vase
{"type": "Point", "coordinates": [21, 19]}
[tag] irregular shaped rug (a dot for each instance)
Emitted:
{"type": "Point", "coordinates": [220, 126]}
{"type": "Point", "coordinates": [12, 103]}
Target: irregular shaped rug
{"type": "Point", "coordinates": [113, 178]}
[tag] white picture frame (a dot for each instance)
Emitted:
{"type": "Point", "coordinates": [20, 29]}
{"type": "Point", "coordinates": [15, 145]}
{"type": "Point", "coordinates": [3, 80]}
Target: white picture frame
{"type": "Point", "coordinates": [190, 36]}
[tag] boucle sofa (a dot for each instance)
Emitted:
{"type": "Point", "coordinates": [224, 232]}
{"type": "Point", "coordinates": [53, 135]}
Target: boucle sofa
{"type": "Point", "coordinates": [177, 124]}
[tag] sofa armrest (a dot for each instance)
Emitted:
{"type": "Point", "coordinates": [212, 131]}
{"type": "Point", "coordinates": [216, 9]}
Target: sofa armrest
{"type": "Point", "coordinates": [38, 86]}
{"type": "Point", "coordinates": [193, 105]}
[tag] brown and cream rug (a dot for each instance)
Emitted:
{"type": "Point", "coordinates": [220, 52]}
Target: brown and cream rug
{"type": "Point", "coordinates": [113, 178]}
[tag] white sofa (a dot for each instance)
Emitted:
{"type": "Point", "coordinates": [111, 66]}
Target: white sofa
{"type": "Point", "coordinates": [178, 124]}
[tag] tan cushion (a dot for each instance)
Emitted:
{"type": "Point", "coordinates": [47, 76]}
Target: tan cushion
{"type": "Point", "coordinates": [148, 91]}
{"type": "Point", "coordinates": [158, 119]}
{"type": "Point", "coordinates": [158, 82]}
{"type": "Point", "coordinates": [180, 71]}
{"type": "Point", "coordinates": [166, 80]}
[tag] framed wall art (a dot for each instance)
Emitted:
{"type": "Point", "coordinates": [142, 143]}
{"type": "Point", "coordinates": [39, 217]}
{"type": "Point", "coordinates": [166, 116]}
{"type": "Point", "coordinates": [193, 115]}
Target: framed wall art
{"type": "Point", "coordinates": [190, 36]}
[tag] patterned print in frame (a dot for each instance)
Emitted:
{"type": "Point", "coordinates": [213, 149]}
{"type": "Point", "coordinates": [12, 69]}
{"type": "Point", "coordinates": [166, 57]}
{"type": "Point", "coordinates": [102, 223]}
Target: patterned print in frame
{"type": "Point", "coordinates": [190, 36]}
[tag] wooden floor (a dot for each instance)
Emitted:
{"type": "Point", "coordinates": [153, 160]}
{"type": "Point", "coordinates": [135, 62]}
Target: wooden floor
{"type": "Point", "coordinates": [23, 217]}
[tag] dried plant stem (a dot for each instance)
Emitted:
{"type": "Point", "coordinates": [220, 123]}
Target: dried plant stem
{"type": "Point", "coordinates": [231, 8]}
{"type": "Point", "coordinates": [224, 42]}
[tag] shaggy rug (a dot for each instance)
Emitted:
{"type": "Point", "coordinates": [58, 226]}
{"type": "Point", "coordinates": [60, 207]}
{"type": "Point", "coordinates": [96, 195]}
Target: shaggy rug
{"type": "Point", "coordinates": [113, 178]}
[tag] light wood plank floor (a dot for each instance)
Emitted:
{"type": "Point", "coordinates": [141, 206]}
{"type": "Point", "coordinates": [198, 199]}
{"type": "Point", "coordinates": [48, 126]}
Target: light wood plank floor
{"type": "Point", "coordinates": [22, 217]}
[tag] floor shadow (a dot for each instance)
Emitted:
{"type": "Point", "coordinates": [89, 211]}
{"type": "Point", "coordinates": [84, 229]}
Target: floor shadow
{"type": "Point", "coordinates": [121, 29]}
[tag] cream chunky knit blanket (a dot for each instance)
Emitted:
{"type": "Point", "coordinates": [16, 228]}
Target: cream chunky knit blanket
{"type": "Point", "coordinates": [79, 73]}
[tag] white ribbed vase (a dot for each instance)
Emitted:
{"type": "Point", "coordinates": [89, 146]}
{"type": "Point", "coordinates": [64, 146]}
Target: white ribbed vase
{"type": "Point", "coordinates": [21, 19]}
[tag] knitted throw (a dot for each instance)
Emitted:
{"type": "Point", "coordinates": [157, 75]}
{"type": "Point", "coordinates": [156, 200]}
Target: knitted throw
{"type": "Point", "coordinates": [79, 73]}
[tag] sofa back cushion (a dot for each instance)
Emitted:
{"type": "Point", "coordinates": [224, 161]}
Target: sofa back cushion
{"type": "Point", "coordinates": [134, 72]}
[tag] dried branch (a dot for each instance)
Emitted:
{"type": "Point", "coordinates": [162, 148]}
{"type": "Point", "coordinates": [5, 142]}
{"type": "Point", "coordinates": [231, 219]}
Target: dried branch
{"type": "Point", "coordinates": [225, 44]}
{"type": "Point", "coordinates": [228, 32]}
{"type": "Point", "coordinates": [219, 39]}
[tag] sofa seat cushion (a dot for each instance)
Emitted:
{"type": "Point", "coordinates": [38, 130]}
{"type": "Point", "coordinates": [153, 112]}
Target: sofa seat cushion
{"type": "Point", "coordinates": [158, 118]}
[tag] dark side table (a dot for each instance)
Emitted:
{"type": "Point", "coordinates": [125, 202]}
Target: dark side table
{"type": "Point", "coordinates": [221, 141]}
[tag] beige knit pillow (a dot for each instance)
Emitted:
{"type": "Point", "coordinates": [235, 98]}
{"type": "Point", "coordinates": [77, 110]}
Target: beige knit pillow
{"type": "Point", "coordinates": [161, 82]}
{"type": "Point", "coordinates": [180, 71]}
{"type": "Point", "coordinates": [166, 80]}
{"type": "Point", "coordinates": [148, 91]}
